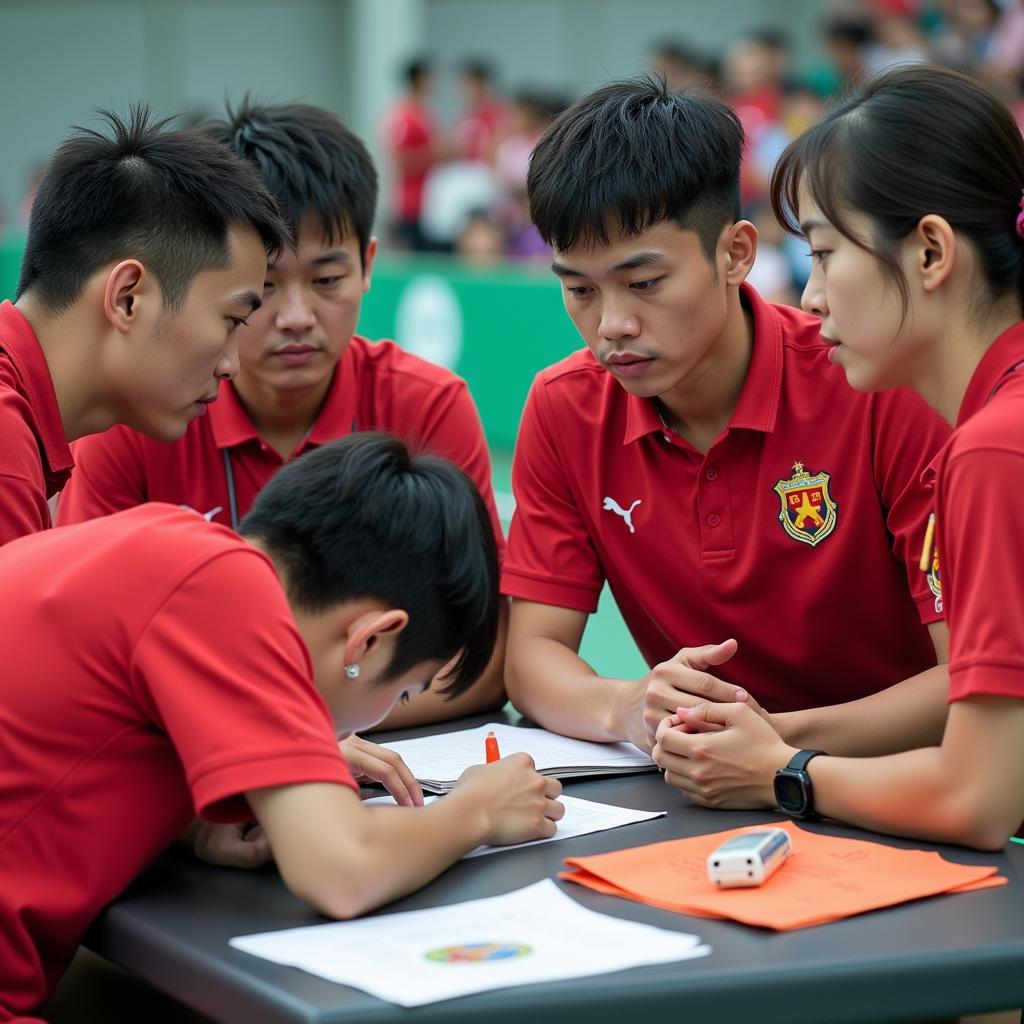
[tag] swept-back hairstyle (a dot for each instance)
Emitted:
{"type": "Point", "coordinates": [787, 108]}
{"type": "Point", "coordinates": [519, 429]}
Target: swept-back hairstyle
{"type": "Point", "coordinates": [140, 190]}
{"type": "Point", "coordinates": [311, 163]}
{"type": "Point", "coordinates": [914, 141]}
{"type": "Point", "coordinates": [633, 154]}
{"type": "Point", "coordinates": [362, 517]}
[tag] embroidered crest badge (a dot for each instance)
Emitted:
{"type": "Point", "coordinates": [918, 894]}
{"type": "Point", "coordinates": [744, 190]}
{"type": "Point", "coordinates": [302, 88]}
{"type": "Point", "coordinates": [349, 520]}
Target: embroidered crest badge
{"type": "Point", "coordinates": [808, 513]}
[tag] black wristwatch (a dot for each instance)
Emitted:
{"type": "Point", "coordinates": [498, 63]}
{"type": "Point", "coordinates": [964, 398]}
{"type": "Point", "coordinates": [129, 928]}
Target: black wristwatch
{"type": "Point", "coordinates": [793, 791]}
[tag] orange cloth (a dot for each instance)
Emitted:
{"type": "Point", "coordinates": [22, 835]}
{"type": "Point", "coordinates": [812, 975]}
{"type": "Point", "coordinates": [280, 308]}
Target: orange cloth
{"type": "Point", "coordinates": [825, 879]}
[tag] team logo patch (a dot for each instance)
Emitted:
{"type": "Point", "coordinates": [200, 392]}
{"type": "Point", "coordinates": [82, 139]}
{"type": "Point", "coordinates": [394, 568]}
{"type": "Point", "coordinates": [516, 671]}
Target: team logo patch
{"type": "Point", "coordinates": [808, 513]}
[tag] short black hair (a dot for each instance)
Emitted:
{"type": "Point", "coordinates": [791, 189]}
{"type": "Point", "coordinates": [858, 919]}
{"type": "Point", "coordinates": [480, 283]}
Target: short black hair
{"type": "Point", "coordinates": [143, 191]}
{"type": "Point", "coordinates": [363, 517]}
{"type": "Point", "coordinates": [633, 154]}
{"type": "Point", "coordinates": [416, 70]}
{"type": "Point", "coordinates": [310, 162]}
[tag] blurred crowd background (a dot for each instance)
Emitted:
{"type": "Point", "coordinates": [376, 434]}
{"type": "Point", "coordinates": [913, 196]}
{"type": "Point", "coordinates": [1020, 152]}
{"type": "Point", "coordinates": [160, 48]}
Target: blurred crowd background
{"type": "Point", "coordinates": [451, 95]}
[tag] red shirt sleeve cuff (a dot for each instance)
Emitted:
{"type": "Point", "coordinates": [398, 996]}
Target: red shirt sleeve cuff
{"type": "Point", "coordinates": [578, 596]}
{"type": "Point", "coordinates": [991, 679]}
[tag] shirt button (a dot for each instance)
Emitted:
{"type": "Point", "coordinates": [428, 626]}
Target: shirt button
{"type": "Point", "coordinates": [711, 474]}
{"type": "Point", "coordinates": [714, 519]}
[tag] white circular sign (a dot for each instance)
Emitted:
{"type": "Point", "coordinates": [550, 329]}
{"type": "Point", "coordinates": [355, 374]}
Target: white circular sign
{"type": "Point", "coordinates": [428, 321]}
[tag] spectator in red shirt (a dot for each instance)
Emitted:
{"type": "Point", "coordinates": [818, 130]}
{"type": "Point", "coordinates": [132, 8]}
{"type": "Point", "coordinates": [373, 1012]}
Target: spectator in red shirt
{"type": "Point", "coordinates": [157, 666]}
{"type": "Point", "coordinates": [146, 251]}
{"type": "Point", "coordinates": [911, 197]}
{"type": "Point", "coordinates": [485, 115]}
{"type": "Point", "coordinates": [409, 135]}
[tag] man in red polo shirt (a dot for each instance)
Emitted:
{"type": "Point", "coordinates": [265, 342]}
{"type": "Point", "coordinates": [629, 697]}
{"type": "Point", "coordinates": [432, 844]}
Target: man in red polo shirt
{"type": "Point", "coordinates": [303, 379]}
{"type": "Point", "coordinates": [157, 666]}
{"type": "Point", "coordinates": [699, 457]}
{"type": "Point", "coordinates": [146, 250]}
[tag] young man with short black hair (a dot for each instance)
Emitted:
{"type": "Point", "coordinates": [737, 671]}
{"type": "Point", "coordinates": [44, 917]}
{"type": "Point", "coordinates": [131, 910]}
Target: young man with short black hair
{"type": "Point", "coordinates": [701, 456]}
{"type": "Point", "coordinates": [304, 378]}
{"type": "Point", "coordinates": [146, 251]}
{"type": "Point", "coordinates": [158, 666]}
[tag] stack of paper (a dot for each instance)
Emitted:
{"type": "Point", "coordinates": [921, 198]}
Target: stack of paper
{"type": "Point", "coordinates": [422, 956]}
{"type": "Point", "coordinates": [825, 879]}
{"type": "Point", "coordinates": [581, 818]}
{"type": "Point", "coordinates": [438, 761]}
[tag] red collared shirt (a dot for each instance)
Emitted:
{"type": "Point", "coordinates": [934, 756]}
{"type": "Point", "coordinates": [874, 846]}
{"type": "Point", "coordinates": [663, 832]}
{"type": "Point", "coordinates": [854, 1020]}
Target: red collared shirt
{"type": "Point", "coordinates": [35, 460]}
{"type": "Point", "coordinates": [152, 672]}
{"type": "Point", "coordinates": [798, 533]}
{"type": "Point", "coordinates": [979, 517]}
{"type": "Point", "coordinates": [376, 387]}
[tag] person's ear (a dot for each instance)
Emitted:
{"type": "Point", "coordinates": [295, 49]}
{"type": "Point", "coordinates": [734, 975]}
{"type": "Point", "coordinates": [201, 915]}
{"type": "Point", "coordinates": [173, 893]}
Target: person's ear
{"type": "Point", "coordinates": [125, 283]}
{"type": "Point", "coordinates": [740, 245]}
{"type": "Point", "coordinates": [366, 631]}
{"type": "Point", "coordinates": [935, 246]}
{"type": "Point", "coordinates": [369, 255]}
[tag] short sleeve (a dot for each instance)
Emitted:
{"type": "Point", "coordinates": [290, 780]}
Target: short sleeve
{"type": "Point", "coordinates": [907, 436]}
{"type": "Point", "coordinates": [453, 430]}
{"type": "Point", "coordinates": [23, 508]}
{"type": "Point", "coordinates": [221, 668]}
{"type": "Point", "coordinates": [550, 557]}
{"type": "Point", "coordinates": [109, 476]}
{"type": "Point", "coordinates": [980, 525]}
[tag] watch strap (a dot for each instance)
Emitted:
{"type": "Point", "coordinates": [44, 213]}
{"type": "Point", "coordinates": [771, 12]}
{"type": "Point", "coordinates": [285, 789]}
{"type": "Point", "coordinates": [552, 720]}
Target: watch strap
{"type": "Point", "coordinates": [799, 760]}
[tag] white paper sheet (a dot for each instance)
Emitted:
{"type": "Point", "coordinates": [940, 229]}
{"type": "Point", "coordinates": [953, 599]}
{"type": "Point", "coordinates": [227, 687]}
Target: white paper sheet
{"type": "Point", "coordinates": [438, 761]}
{"type": "Point", "coordinates": [581, 818]}
{"type": "Point", "coordinates": [423, 956]}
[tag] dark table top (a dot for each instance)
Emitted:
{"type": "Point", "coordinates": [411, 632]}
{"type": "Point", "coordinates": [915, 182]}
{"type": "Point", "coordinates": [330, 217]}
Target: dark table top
{"type": "Point", "coordinates": [935, 957]}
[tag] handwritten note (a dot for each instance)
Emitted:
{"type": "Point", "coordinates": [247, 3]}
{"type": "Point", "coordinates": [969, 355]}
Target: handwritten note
{"type": "Point", "coordinates": [826, 878]}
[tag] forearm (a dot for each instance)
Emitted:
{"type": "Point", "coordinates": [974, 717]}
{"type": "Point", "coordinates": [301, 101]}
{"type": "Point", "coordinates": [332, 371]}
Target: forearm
{"type": "Point", "coordinates": [906, 716]}
{"type": "Point", "coordinates": [355, 864]}
{"type": "Point", "coordinates": [966, 791]}
{"type": "Point", "coordinates": [553, 685]}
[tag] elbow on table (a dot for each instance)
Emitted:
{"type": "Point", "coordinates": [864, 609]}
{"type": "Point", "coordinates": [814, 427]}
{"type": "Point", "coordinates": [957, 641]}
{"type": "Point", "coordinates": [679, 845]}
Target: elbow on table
{"type": "Point", "coordinates": [981, 824]}
{"type": "Point", "coordinates": [339, 898]}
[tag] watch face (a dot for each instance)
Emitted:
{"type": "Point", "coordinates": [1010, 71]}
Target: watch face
{"type": "Point", "coordinates": [789, 793]}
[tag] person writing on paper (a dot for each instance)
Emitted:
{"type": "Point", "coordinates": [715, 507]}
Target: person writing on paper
{"type": "Point", "coordinates": [911, 197]}
{"type": "Point", "coordinates": [158, 666]}
{"type": "Point", "coordinates": [304, 378]}
{"type": "Point", "coordinates": [702, 456]}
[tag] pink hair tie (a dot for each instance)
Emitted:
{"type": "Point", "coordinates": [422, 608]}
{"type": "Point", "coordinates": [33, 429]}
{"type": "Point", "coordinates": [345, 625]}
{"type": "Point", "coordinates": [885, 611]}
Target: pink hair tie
{"type": "Point", "coordinates": [1020, 217]}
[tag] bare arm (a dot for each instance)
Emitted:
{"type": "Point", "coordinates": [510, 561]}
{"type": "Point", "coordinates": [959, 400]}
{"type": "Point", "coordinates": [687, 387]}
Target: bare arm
{"type": "Point", "coordinates": [346, 859]}
{"type": "Point", "coordinates": [486, 694]}
{"type": "Point", "coordinates": [968, 790]}
{"type": "Point", "coordinates": [908, 715]}
{"type": "Point", "coordinates": [549, 682]}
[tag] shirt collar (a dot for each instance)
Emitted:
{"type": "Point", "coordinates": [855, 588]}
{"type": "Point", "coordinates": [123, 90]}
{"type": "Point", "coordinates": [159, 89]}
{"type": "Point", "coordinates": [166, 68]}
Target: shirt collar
{"type": "Point", "coordinates": [1006, 352]}
{"type": "Point", "coordinates": [232, 427]}
{"type": "Point", "coordinates": [22, 346]}
{"type": "Point", "coordinates": [758, 405]}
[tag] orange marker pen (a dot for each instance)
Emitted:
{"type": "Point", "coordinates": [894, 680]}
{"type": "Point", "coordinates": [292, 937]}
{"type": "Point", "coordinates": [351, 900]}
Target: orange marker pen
{"type": "Point", "coordinates": [491, 751]}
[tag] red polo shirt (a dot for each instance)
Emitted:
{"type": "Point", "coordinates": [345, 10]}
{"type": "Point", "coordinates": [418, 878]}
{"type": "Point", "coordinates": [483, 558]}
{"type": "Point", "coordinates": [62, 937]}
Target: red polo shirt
{"type": "Point", "coordinates": [979, 519]}
{"type": "Point", "coordinates": [799, 533]}
{"type": "Point", "coordinates": [35, 459]}
{"type": "Point", "coordinates": [152, 671]}
{"type": "Point", "coordinates": [376, 387]}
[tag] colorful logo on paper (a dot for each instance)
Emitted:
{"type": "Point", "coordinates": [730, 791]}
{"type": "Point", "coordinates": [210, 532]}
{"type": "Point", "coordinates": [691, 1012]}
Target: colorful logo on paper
{"type": "Point", "coordinates": [808, 513]}
{"type": "Point", "coordinates": [478, 953]}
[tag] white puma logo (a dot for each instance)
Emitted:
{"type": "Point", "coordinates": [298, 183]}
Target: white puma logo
{"type": "Point", "coordinates": [611, 505]}
{"type": "Point", "coordinates": [208, 516]}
